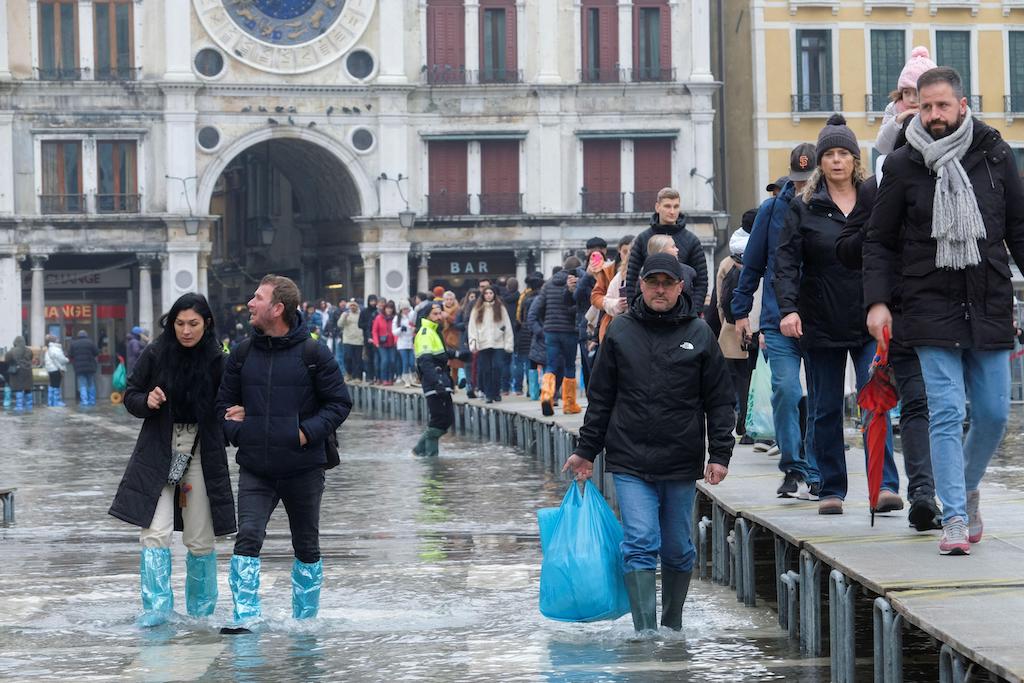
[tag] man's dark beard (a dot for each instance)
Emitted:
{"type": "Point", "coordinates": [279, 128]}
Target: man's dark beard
{"type": "Point", "coordinates": [948, 131]}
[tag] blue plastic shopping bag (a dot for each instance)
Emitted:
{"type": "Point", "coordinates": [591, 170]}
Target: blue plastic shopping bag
{"type": "Point", "coordinates": [581, 576]}
{"type": "Point", "coordinates": [760, 423]}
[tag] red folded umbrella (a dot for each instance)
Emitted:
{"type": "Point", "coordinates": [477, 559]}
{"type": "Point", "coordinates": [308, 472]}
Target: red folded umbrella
{"type": "Point", "coordinates": [877, 397]}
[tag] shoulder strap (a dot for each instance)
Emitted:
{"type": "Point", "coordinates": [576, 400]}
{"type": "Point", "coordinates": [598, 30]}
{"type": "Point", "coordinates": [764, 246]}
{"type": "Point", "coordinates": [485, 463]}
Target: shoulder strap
{"type": "Point", "coordinates": [242, 350]}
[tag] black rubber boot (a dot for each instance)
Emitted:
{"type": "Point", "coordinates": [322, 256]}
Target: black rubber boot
{"type": "Point", "coordinates": [674, 587]}
{"type": "Point", "coordinates": [642, 588]}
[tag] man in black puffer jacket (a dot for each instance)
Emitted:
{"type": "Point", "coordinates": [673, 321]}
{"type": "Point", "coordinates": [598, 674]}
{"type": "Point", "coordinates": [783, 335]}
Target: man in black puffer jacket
{"type": "Point", "coordinates": [668, 221]}
{"type": "Point", "coordinates": [279, 411]}
{"type": "Point", "coordinates": [659, 378]}
{"type": "Point", "coordinates": [556, 320]}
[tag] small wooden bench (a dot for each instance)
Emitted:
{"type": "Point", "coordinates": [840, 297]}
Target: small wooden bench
{"type": "Point", "coordinates": [7, 496]}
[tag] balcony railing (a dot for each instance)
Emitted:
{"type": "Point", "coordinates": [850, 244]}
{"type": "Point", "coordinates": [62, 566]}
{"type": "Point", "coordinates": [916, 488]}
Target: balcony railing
{"type": "Point", "coordinates": [601, 202]}
{"type": "Point", "coordinates": [598, 75]}
{"type": "Point", "coordinates": [57, 74]}
{"type": "Point", "coordinates": [643, 202]}
{"type": "Point", "coordinates": [817, 102]}
{"type": "Point", "coordinates": [497, 76]}
{"type": "Point", "coordinates": [876, 103]}
{"type": "Point", "coordinates": [444, 74]}
{"type": "Point", "coordinates": [1013, 104]}
{"type": "Point", "coordinates": [651, 75]}
{"type": "Point", "coordinates": [975, 103]}
{"type": "Point", "coordinates": [501, 203]}
{"type": "Point", "coordinates": [62, 203]}
{"type": "Point", "coordinates": [118, 203]}
{"type": "Point", "coordinates": [448, 204]}
{"type": "Point", "coordinates": [118, 73]}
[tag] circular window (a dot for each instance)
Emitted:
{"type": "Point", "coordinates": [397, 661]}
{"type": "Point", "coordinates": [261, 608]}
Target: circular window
{"type": "Point", "coordinates": [209, 62]}
{"type": "Point", "coordinates": [394, 279]}
{"type": "Point", "coordinates": [359, 64]}
{"type": "Point", "coordinates": [362, 139]}
{"type": "Point", "coordinates": [183, 279]}
{"type": "Point", "coordinates": [209, 137]}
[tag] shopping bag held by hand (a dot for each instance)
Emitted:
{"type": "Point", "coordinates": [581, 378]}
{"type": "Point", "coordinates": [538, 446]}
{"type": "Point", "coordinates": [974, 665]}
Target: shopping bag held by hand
{"type": "Point", "coordinates": [759, 401]}
{"type": "Point", "coordinates": [120, 378]}
{"type": "Point", "coordinates": [581, 576]}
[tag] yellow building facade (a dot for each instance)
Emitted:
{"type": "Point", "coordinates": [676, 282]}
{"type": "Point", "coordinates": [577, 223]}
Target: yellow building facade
{"type": "Point", "coordinates": [810, 58]}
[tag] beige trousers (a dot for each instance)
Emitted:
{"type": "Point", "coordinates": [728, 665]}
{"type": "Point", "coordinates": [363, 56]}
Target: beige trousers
{"type": "Point", "coordinates": [198, 523]}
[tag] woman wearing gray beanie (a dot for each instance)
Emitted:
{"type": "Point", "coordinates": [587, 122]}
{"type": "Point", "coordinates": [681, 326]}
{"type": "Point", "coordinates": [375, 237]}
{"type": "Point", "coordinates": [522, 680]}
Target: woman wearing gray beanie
{"type": "Point", "coordinates": [821, 304]}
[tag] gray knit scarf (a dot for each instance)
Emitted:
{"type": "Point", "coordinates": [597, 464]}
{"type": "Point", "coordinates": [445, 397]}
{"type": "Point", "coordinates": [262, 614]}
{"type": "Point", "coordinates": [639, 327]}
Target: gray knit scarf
{"type": "Point", "coordinates": [956, 221]}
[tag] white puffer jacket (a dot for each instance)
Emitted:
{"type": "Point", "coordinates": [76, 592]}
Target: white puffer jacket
{"type": "Point", "coordinates": [405, 339]}
{"type": "Point", "coordinates": [489, 334]}
{"type": "Point", "coordinates": [54, 359]}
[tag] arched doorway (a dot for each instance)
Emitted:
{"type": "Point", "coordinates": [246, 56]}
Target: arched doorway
{"type": "Point", "coordinates": [286, 205]}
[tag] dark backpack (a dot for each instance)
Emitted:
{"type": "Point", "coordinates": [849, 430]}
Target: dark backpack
{"type": "Point", "coordinates": [729, 283]}
{"type": "Point", "coordinates": [309, 352]}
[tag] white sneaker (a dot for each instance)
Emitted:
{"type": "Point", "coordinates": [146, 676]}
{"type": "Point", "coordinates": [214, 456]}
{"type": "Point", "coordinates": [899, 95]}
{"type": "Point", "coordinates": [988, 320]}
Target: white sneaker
{"type": "Point", "coordinates": [774, 450]}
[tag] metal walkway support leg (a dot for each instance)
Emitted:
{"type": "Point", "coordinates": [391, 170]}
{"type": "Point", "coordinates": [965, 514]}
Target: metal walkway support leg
{"type": "Point", "coordinates": [840, 627]}
{"type": "Point", "coordinates": [749, 532]}
{"type": "Point", "coordinates": [790, 606]}
{"type": "Point", "coordinates": [888, 638]}
{"type": "Point", "coordinates": [810, 604]}
{"type": "Point", "coordinates": [733, 554]}
{"type": "Point", "coordinates": [719, 546]}
{"type": "Point", "coordinates": [703, 570]}
{"type": "Point", "coordinates": [951, 666]}
{"type": "Point", "coordinates": [781, 566]}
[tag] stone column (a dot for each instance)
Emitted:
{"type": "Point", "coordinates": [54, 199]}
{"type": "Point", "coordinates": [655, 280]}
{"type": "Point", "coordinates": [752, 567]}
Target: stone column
{"type": "Point", "coordinates": [394, 263]}
{"type": "Point", "coordinates": [5, 64]}
{"type": "Point", "coordinates": [392, 43]}
{"type": "Point", "coordinates": [472, 46]}
{"type": "Point", "coordinates": [704, 160]}
{"type": "Point", "coordinates": [10, 296]}
{"type": "Point", "coordinates": [371, 282]}
{"type": "Point", "coordinates": [627, 181]}
{"type": "Point", "coordinates": [626, 38]}
{"type": "Point", "coordinates": [146, 292]}
{"type": "Point", "coordinates": [699, 36]}
{"type": "Point", "coordinates": [86, 40]}
{"type": "Point", "coordinates": [547, 42]}
{"type": "Point", "coordinates": [6, 159]}
{"type": "Point", "coordinates": [423, 273]}
{"type": "Point", "coordinates": [177, 31]}
{"type": "Point", "coordinates": [473, 179]}
{"type": "Point", "coordinates": [522, 258]}
{"type": "Point", "coordinates": [37, 316]}
{"type": "Point", "coordinates": [181, 272]}
{"type": "Point", "coordinates": [203, 283]}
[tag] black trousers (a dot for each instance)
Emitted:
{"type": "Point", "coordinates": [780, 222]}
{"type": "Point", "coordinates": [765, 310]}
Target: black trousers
{"type": "Point", "coordinates": [257, 498]}
{"type": "Point", "coordinates": [440, 411]}
{"type": "Point", "coordinates": [354, 360]}
{"type": "Point", "coordinates": [917, 452]}
{"type": "Point", "coordinates": [488, 370]}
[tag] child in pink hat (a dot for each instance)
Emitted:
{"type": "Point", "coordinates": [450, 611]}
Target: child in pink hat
{"type": "Point", "coordinates": [903, 102]}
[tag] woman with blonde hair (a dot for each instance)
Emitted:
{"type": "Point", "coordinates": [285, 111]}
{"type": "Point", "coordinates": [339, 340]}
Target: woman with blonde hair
{"type": "Point", "coordinates": [821, 304]}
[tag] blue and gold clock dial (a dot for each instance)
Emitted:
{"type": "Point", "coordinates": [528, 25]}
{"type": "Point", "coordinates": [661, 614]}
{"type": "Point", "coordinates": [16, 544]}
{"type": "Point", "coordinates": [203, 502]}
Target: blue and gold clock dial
{"type": "Point", "coordinates": [284, 22]}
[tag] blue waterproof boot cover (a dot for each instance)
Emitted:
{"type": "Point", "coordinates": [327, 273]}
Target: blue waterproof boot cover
{"type": "Point", "coordinates": [155, 574]}
{"type": "Point", "coordinates": [200, 584]}
{"type": "Point", "coordinates": [306, 582]}
{"type": "Point", "coordinates": [244, 580]}
{"type": "Point", "coordinates": [533, 382]}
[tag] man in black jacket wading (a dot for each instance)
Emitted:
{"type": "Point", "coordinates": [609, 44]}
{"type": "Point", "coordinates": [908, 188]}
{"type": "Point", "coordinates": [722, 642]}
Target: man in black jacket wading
{"type": "Point", "coordinates": [659, 377]}
{"type": "Point", "coordinates": [279, 410]}
{"type": "Point", "coordinates": [949, 205]}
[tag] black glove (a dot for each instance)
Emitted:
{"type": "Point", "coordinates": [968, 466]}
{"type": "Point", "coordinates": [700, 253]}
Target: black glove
{"type": "Point", "coordinates": [403, 328]}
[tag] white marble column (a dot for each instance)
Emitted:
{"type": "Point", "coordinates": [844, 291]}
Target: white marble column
{"type": "Point", "coordinates": [371, 282]}
{"type": "Point", "coordinates": [203, 282]}
{"type": "Point", "coordinates": [181, 273]}
{"type": "Point", "coordinates": [37, 316]}
{"type": "Point", "coordinates": [473, 177]}
{"type": "Point", "coordinates": [472, 44]}
{"type": "Point", "coordinates": [522, 258]}
{"type": "Point", "coordinates": [698, 37]}
{"type": "Point", "coordinates": [423, 273]}
{"type": "Point", "coordinates": [177, 32]}
{"type": "Point", "coordinates": [86, 44]}
{"type": "Point", "coordinates": [394, 263]}
{"type": "Point", "coordinates": [10, 296]}
{"type": "Point", "coordinates": [391, 48]}
{"type": "Point", "coordinates": [547, 42]}
{"type": "Point", "coordinates": [146, 292]}
{"type": "Point", "coordinates": [5, 60]}
{"type": "Point", "coordinates": [7, 162]}
{"type": "Point", "coordinates": [626, 39]}
{"type": "Point", "coordinates": [627, 183]}
{"type": "Point", "coordinates": [704, 161]}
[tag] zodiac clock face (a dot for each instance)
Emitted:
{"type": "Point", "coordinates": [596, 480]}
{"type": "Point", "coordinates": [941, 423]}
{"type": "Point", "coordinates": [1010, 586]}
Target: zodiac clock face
{"type": "Point", "coordinates": [285, 36]}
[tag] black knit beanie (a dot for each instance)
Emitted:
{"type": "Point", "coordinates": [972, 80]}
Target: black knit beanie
{"type": "Point", "coordinates": [836, 134]}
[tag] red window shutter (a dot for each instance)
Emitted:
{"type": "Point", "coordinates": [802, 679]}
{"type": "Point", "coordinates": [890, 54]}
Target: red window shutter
{"type": "Point", "coordinates": [652, 170]}
{"type": "Point", "coordinates": [511, 61]}
{"type": "Point", "coordinates": [602, 176]}
{"type": "Point", "coordinates": [447, 177]}
{"type": "Point", "coordinates": [499, 177]}
{"type": "Point", "coordinates": [664, 37]}
{"type": "Point", "coordinates": [666, 40]}
{"type": "Point", "coordinates": [607, 36]}
{"type": "Point", "coordinates": [446, 43]}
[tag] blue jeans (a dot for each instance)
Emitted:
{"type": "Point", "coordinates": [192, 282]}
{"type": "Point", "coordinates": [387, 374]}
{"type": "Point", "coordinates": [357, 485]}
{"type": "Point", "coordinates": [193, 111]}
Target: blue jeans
{"type": "Point", "coordinates": [561, 350]}
{"type": "Point", "coordinates": [488, 371]}
{"type": "Point", "coordinates": [339, 354]}
{"type": "Point", "coordinates": [796, 454]}
{"type": "Point", "coordinates": [520, 365]}
{"type": "Point", "coordinates": [387, 360]}
{"type": "Point", "coordinates": [827, 371]}
{"type": "Point", "coordinates": [408, 361]}
{"type": "Point", "coordinates": [950, 377]}
{"type": "Point", "coordinates": [656, 520]}
{"type": "Point", "coordinates": [86, 382]}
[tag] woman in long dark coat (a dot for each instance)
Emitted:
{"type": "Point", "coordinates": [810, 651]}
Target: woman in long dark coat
{"type": "Point", "coordinates": [173, 387]}
{"type": "Point", "coordinates": [19, 359]}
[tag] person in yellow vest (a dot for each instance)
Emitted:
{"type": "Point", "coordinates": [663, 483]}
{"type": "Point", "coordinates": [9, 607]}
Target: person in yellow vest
{"type": "Point", "coordinates": [436, 380]}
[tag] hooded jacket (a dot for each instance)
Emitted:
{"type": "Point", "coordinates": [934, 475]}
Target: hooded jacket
{"type": "Point", "coordinates": [658, 379]}
{"type": "Point", "coordinates": [969, 308]}
{"type": "Point", "coordinates": [146, 474]}
{"type": "Point", "coordinates": [810, 280]}
{"type": "Point", "coordinates": [280, 398]}
{"type": "Point", "coordinates": [432, 359]}
{"type": "Point", "coordinates": [556, 310]}
{"type": "Point", "coordinates": [20, 356]}
{"type": "Point", "coordinates": [83, 354]}
{"type": "Point", "coordinates": [690, 252]}
{"type": "Point", "coordinates": [54, 359]}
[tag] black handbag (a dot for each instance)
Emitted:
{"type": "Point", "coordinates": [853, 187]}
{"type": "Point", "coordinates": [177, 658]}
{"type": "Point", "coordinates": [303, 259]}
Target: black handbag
{"type": "Point", "coordinates": [180, 462]}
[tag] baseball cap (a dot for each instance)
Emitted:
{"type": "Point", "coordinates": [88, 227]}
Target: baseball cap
{"type": "Point", "coordinates": [802, 161]}
{"type": "Point", "coordinates": [662, 263]}
{"type": "Point", "coordinates": [778, 184]}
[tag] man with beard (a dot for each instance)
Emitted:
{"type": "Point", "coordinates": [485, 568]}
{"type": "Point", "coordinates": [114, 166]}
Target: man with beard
{"type": "Point", "coordinates": [949, 205]}
{"type": "Point", "coordinates": [282, 396]}
{"type": "Point", "coordinates": [659, 379]}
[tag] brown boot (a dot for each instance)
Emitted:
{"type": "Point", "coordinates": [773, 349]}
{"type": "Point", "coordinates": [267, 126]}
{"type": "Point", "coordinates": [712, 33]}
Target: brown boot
{"type": "Point", "coordinates": [547, 394]}
{"type": "Point", "coordinates": [569, 405]}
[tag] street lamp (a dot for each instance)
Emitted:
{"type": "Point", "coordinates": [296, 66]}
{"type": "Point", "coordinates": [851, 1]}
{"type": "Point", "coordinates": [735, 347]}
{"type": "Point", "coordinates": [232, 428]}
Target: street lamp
{"type": "Point", "coordinates": [267, 232]}
{"type": "Point", "coordinates": [191, 226]}
{"type": "Point", "coordinates": [721, 221]}
{"type": "Point", "coordinates": [407, 218]}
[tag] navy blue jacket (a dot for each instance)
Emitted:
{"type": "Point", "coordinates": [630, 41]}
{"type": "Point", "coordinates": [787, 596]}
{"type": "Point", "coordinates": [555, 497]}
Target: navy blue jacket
{"type": "Point", "coordinates": [280, 398]}
{"type": "Point", "coordinates": [556, 311]}
{"type": "Point", "coordinates": [585, 282]}
{"type": "Point", "coordinates": [759, 260]}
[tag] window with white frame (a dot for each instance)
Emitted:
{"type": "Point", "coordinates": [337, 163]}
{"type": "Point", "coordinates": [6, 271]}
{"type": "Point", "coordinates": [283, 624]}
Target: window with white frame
{"type": "Point", "coordinates": [814, 71]}
{"type": "Point", "coordinates": [1015, 69]}
{"type": "Point", "coordinates": [58, 40]}
{"type": "Point", "coordinates": [953, 48]}
{"type": "Point", "coordinates": [888, 55]}
{"type": "Point", "coordinates": [61, 177]}
{"type": "Point", "coordinates": [89, 173]}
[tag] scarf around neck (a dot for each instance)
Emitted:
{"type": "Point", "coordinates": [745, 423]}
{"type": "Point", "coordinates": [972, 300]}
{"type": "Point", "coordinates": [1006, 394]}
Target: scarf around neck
{"type": "Point", "coordinates": [957, 224]}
